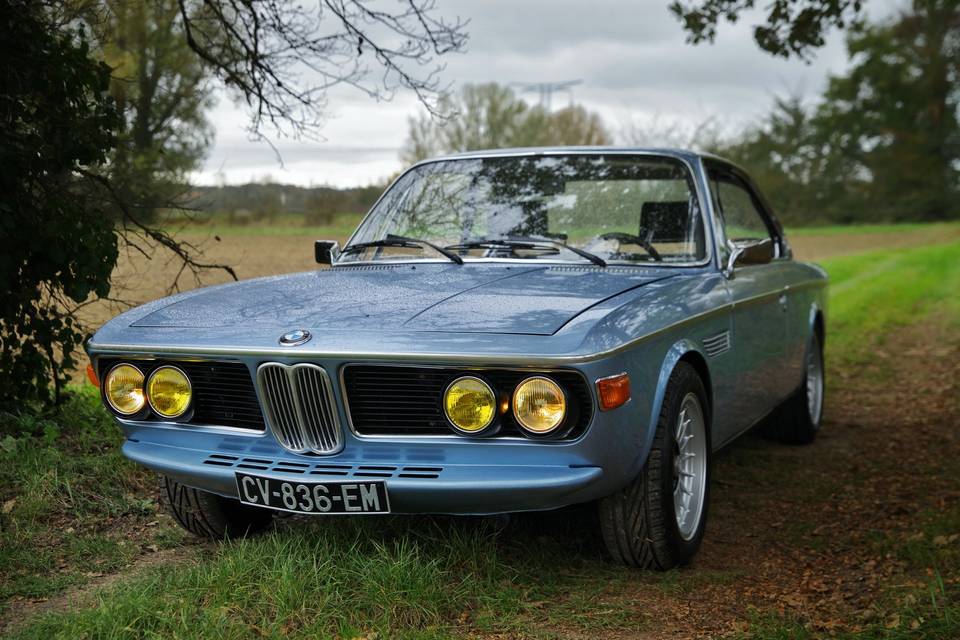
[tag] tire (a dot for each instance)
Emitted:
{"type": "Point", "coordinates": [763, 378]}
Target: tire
{"type": "Point", "coordinates": [639, 523]}
{"type": "Point", "coordinates": [208, 515]}
{"type": "Point", "coordinates": [798, 419]}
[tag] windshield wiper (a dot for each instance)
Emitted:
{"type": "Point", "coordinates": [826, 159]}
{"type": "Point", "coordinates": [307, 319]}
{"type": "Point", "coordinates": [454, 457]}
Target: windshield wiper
{"type": "Point", "coordinates": [524, 242]}
{"type": "Point", "coordinates": [595, 259]}
{"type": "Point", "coordinates": [402, 241]}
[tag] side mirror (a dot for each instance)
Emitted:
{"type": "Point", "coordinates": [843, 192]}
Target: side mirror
{"type": "Point", "coordinates": [750, 252]}
{"type": "Point", "coordinates": [326, 251]}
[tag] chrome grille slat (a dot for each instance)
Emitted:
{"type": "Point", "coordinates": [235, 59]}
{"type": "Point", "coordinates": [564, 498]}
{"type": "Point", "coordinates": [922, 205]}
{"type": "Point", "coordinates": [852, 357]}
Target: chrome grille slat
{"type": "Point", "coordinates": [300, 407]}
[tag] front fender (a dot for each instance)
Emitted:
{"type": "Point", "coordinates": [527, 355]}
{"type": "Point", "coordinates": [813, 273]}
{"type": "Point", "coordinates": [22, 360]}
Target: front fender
{"type": "Point", "coordinates": [674, 354]}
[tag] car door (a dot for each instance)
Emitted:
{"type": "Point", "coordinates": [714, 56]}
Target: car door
{"type": "Point", "coordinates": [757, 295]}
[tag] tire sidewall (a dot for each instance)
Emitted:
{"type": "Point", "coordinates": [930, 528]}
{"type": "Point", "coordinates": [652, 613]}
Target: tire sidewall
{"type": "Point", "coordinates": [814, 345]}
{"type": "Point", "coordinates": [686, 380]}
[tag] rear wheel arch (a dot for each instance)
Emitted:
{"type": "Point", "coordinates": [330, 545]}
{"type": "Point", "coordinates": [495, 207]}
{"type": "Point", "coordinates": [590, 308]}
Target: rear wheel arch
{"type": "Point", "coordinates": [819, 326]}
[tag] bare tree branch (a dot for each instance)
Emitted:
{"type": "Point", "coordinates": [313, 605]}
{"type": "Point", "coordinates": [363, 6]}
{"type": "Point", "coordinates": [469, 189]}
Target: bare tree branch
{"type": "Point", "coordinates": [283, 57]}
{"type": "Point", "coordinates": [185, 251]}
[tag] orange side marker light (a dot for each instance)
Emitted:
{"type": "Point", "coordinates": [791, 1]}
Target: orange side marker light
{"type": "Point", "coordinates": [92, 376]}
{"type": "Point", "coordinates": [613, 391]}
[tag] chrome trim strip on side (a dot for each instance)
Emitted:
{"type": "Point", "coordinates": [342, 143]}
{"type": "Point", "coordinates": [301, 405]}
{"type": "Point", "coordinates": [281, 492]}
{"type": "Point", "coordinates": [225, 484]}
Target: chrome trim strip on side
{"type": "Point", "coordinates": [453, 436]}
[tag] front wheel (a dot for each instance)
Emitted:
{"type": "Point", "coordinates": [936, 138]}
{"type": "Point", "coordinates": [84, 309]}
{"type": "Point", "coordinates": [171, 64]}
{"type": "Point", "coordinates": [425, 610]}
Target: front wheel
{"type": "Point", "coordinates": [657, 521]}
{"type": "Point", "coordinates": [208, 515]}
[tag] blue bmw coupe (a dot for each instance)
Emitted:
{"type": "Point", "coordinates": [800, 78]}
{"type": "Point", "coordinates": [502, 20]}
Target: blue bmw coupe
{"type": "Point", "coordinates": [505, 331]}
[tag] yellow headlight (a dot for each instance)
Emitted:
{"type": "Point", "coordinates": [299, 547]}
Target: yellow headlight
{"type": "Point", "coordinates": [169, 392]}
{"type": "Point", "coordinates": [123, 389]}
{"type": "Point", "coordinates": [470, 404]}
{"type": "Point", "coordinates": [539, 405]}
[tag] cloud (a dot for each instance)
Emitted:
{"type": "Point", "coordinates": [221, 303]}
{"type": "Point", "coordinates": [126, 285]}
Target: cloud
{"type": "Point", "coordinates": [630, 54]}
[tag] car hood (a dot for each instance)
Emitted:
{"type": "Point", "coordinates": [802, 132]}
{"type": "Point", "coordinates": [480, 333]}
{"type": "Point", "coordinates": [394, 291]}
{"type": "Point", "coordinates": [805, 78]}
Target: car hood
{"type": "Point", "coordinates": [472, 298]}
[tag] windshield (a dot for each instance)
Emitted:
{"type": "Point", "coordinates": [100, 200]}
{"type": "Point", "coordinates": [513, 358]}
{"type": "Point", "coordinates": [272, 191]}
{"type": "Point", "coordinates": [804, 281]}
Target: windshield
{"type": "Point", "coordinates": [573, 208]}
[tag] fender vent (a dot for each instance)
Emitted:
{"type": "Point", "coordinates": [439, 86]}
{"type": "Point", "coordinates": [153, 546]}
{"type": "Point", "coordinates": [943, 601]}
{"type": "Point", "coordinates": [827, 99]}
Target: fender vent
{"type": "Point", "coordinates": [716, 345]}
{"type": "Point", "coordinates": [299, 407]}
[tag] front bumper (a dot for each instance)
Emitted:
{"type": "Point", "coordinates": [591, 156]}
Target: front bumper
{"type": "Point", "coordinates": [449, 475]}
{"type": "Point", "coordinates": [415, 486]}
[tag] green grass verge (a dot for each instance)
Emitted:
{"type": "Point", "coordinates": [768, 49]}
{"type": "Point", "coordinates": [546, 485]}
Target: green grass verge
{"type": "Point", "coordinates": [874, 293]}
{"type": "Point", "coordinates": [289, 225]}
{"type": "Point", "coordinates": [413, 577]}
{"type": "Point", "coordinates": [69, 498]}
{"type": "Point", "coordinates": [845, 229]}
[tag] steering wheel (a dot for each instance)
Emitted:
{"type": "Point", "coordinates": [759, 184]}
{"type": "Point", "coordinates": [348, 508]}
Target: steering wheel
{"type": "Point", "coordinates": [640, 241]}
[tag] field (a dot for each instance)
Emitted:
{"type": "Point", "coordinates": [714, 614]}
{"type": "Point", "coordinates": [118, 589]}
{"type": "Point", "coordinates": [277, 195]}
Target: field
{"type": "Point", "coordinates": [857, 535]}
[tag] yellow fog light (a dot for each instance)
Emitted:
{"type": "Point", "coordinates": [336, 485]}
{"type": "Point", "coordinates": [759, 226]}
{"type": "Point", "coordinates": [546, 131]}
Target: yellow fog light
{"type": "Point", "coordinates": [470, 404]}
{"type": "Point", "coordinates": [539, 405]}
{"type": "Point", "coordinates": [123, 389]}
{"type": "Point", "coordinates": [169, 392]}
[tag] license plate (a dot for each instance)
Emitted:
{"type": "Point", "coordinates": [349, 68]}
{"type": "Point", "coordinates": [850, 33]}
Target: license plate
{"type": "Point", "coordinates": [313, 497]}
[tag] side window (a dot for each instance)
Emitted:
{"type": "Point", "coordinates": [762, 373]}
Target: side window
{"type": "Point", "coordinates": [739, 216]}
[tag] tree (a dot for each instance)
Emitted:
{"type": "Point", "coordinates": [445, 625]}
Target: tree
{"type": "Point", "coordinates": [67, 202]}
{"type": "Point", "coordinates": [58, 245]}
{"type": "Point", "coordinates": [282, 56]}
{"type": "Point", "coordinates": [490, 116]}
{"type": "Point", "coordinates": [791, 28]}
{"type": "Point", "coordinates": [806, 181]}
{"type": "Point", "coordinates": [896, 112]}
{"type": "Point", "coordinates": [883, 142]}
{"type": "Point", "coordinates": [163, 92]}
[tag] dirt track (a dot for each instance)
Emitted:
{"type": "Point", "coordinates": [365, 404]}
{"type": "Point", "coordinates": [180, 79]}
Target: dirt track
{"type": "Point", "coordinates": [802, 531]}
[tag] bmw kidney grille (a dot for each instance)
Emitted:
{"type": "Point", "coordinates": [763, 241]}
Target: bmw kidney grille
{"type": "Point", "coordinates": [299, 407]}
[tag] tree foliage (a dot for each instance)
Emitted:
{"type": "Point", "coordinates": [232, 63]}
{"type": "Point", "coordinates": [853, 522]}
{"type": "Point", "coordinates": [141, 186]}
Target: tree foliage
{"type": "Point", "coordinates": [59, 246]}
{"type": "Point", "coordinates": [895, 114]}
{"type": "Point", "coordinates": [883, 143]}
{"type": "Point", "coordinates": [163, 91]}
{"type": "Point", "coordinates": [491, 116]}
{"type": "Point", "coordinates": [102, 107]}
{"type": "Point", "coordinates": [791, 27]}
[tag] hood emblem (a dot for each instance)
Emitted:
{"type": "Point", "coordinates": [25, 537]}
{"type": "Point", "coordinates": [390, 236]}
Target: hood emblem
{"type": "Point", "coordinates": [295, 337]}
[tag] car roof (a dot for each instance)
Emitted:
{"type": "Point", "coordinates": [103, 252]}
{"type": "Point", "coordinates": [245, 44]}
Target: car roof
{"type": "Point", "coordinates": [684, 154]}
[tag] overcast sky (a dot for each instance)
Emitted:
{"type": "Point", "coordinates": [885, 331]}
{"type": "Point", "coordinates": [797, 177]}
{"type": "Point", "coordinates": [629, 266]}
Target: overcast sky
{"type": "Point", "coordinates": [630, 55]}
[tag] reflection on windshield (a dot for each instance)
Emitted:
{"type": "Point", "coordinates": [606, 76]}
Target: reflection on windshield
{"type": "Point", "coordinates": [577, 208]}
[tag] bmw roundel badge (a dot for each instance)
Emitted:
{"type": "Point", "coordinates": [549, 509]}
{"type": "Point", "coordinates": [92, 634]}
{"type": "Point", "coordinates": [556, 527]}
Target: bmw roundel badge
{"type": "Point", "coordinates": [295, 337]}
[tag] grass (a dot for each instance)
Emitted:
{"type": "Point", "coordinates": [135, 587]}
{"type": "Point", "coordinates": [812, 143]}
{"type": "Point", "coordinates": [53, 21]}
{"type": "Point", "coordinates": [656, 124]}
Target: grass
{"type": "Point", "coordinates": [287, 225]}
{"type": "Point", "coordinates": [874, 293]}
{"type": "Point", "coordinates": [408, 577]}
{"type": "Point", "coordinates": [68, 496]}
{"type": "Point", "coordinates": [851, 229]}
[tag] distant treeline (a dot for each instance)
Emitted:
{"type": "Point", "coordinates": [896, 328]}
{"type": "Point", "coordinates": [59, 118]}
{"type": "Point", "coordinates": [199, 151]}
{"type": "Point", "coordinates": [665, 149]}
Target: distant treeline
{"type": "Point", "coordinates": [256, 202]}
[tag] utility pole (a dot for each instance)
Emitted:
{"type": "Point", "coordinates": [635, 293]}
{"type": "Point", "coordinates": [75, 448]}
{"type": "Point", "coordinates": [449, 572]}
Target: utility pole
{"type": "Point", "coordinates": [547, 89]}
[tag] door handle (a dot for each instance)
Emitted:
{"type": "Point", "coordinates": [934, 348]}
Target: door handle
{"type": "Point", "coordinates": [783, 301]}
